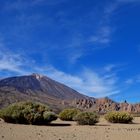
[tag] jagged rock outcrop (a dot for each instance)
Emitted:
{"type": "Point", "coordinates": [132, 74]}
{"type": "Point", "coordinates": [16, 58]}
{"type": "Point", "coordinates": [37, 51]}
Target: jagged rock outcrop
{"type": "Point", "coordinates": [103, 105]}
{"type": "Point", "coordinates": [85, 103]}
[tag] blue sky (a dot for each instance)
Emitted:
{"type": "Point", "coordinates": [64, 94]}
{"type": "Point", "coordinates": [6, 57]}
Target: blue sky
{"type": "Point", "coordinates": [91, 46]}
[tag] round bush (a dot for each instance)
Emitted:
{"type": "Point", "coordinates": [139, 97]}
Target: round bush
{"type": "Point", "coordinates": [68, 114]}
{"type": "Point", "coordinates": [118, 117]}
{"type": "Point", "coordinates": [86, 118]}
{"type": "Point", "coordinates": [27, 113]}
{"type": "Point", "coordinates": [49, 116]}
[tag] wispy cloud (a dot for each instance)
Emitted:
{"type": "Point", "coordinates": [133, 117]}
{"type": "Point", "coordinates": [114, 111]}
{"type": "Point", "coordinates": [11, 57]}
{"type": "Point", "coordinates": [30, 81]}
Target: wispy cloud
{"type": "Point", "coordinates": [74, 56]}
{"type": "Point", "coordinates": [116, 67]}
{"type": "Point", "coordinates": [10, 61]}
{"type": "Point", "coordinates": [129, 81]}
{"type": "Point", "coordinates": [133, 80]}
{"type": "Point", "coordinates": [102, 36]}
{"type": "Point", "coordinates": [88, 81]}
{"type": "Point", "coordinates": [75, 49]}
{"type": "Point", "coordinates": [110, 67]}
{"type": "Point", "coordinates": [104, 33]}
{"type": "Point", "coordinates": [110, 8]}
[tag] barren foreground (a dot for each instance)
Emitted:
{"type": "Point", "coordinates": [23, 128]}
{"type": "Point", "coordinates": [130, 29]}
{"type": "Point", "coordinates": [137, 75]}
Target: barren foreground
{"type": "Point", "coordinates": [61, 130]}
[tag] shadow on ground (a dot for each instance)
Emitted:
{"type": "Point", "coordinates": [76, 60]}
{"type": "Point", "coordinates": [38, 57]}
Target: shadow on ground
{"type": "Point", "coordinates": [103, 125]}
{"type": "Point", "coordinates": [59, 124]}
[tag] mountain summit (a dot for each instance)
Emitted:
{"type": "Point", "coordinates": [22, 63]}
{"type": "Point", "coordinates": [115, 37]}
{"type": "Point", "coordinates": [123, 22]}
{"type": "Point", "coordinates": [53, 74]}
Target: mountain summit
{"type": "Point", "coordinates": [37, 76]}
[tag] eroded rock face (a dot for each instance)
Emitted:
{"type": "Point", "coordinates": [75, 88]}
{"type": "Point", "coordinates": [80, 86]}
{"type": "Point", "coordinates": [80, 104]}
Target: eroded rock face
{"type": "Point", "coordinates": [85, 103]}
{"type": "Point", "coordinates": [104, 105]}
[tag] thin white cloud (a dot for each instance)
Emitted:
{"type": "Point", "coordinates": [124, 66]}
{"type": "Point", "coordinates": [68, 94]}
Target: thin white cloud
{"type": "Point", "coordinates": [129, 81]}
{"type": "Point", "coordinates": [103, 35]}
{"type": "Point", "coordinates": [75, 49]}
{"type": "Point", "coordinates": [105, 32]}
{"type": "Point", "coordinates": [10, 61]}
{"type": "Point", "coordinates": [87, 82]}
{"type": "Point", "coordinates": [114, 67]}
{"type": "Point", "coordinates": [133, 80]}
{"type": "Point", "coordinates": [110, 8]}
{"type": "Point", "coordinates": [109, 67]}
{"type": "Point", "coordinates": [75, 56]}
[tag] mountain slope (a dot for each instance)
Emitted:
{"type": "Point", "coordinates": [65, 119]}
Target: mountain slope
{"type": "Point", "coordinates": [37, 88]}
{"type": "Point", "coordinates": [40, 84]}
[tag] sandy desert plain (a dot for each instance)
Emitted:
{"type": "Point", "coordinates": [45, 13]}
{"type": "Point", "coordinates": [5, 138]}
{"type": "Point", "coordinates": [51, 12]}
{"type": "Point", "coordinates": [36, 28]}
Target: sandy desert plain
{"type": "Point", "coordinates": [65, 130]}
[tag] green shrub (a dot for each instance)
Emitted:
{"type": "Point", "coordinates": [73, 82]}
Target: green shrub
{"type": "Point", "coordinates": [68, 114]}
{"type": "Point", "coordinates": [118, 117]}
{"type": "Point", "coordinates": [86, 118]}
{"type": "Point", "coordinates": [27, 113]}
{"type": "Point", "coordinates": [49, 116]}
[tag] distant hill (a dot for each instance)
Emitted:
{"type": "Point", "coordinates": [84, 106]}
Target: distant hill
{"type": "Point", "coordinates": [42, 89]}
